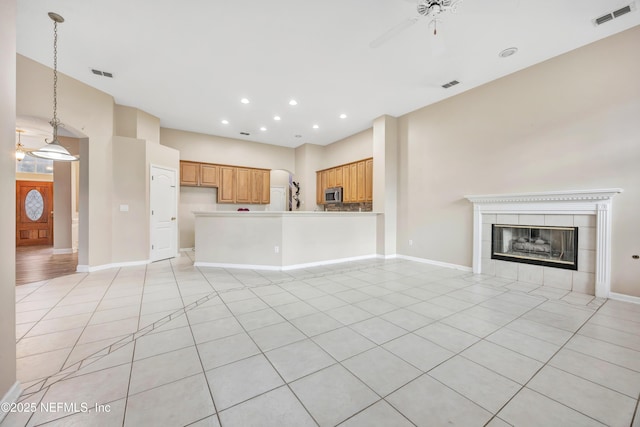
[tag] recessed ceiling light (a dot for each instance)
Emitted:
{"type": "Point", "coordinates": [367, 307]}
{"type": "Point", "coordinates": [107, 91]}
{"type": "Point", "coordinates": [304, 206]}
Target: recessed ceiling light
{"type": "Point", "coordinates": [343, 116]}
{"type": "Point", "coordinates": [225, 122]}
{"type": "Point", "coordinates": [316, 126]}
{"type": "Point", "coordinates": [244, 100]}
{"type": "Point", "coordinates": [293, 102]}
{"type": "Point", "coordinates": [508, 52]}
{"type": "Point", "coordinates": [263, 128]}
{"type": "Point", "coordinates": [276, 118]}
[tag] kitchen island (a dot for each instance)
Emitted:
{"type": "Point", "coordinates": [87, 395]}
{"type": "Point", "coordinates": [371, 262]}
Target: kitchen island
{"type": "Point", "coordinates": [283, 240]}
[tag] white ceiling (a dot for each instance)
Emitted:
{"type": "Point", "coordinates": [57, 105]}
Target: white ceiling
{"type": "Point", "coordinates": [190, 62]}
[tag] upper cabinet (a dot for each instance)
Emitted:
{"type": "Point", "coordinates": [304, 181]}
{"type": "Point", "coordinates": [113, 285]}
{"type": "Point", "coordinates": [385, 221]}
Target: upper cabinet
{"type": "Point", "coordinates": [356, 180]}
{"type": "Point", "coordinates": [189, 173]}
{"type": "Point", "coordinates": [235, 184]}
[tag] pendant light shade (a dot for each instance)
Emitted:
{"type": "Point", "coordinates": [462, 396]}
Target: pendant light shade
{"type": "Point", "coordinates": [54, 150]}
{"type": "Point", "coordinates": [20, 151]}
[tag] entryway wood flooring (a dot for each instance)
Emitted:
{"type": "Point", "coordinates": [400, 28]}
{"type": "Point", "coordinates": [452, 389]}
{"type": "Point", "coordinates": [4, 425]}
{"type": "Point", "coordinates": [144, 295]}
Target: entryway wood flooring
{"type": "Point", "coordinates": [36, 263]}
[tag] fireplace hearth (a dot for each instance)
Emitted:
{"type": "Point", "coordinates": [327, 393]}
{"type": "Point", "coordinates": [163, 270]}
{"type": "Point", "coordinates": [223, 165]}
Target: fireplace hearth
{"type": "Point", "coordinates": [537, 245]}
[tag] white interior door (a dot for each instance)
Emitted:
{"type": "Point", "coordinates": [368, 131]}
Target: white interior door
{"type": "Point", "coordinates": [164, 224]}
{"type": "Point", "coordinates": [278, 197]}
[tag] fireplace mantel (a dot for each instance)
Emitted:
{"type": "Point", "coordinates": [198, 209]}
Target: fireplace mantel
{"type": "Point", "coordinates": [597, 202]}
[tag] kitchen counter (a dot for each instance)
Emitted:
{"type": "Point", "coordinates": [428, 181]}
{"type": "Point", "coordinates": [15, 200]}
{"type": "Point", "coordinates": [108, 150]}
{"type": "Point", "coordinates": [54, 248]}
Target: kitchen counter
{"type": "Point", "coordinates": [283, 240]}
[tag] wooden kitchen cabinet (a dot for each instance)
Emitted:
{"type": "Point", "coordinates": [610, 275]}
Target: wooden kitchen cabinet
{"type": "Point", "coordinates": [368, 180]}
{"type": "Point", "coordinates": [361, 177]}
{"type": "Point", "coordinates": [209, 175]}
{"type": "Point", "coordinates": [356, 180]}
{"type": "Point", "coordinates": [266, 187]}
{"type": "Point", "coordinates": [227, 186]}
{"type": "Point", "coordinates": [243, 185]}
{"type": "Point", "coordinates": [189, 173]}
{"type": "Point", "coordinates": [346, 191]}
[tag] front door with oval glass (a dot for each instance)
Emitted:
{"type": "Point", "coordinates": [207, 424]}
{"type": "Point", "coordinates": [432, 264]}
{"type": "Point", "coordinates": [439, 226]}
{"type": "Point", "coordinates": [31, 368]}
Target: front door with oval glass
{"type": "Point", "coordinates": [34, 213]}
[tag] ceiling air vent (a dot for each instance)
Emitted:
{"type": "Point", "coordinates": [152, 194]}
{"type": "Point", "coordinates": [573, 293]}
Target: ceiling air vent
{"type": "Point", "coordinates": [101, 73]}
{"type": "Point", "coordinates": [451, 83]}
{"type": "Point", "coordinates": [245, 133]}
{"type": "Point", "coordinates": [615, 14]}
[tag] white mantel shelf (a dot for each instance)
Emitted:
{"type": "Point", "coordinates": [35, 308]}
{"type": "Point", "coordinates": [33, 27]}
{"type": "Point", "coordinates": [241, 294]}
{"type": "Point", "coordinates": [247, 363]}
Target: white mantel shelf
{"type": "Point", "coordinates": [596, 202]}
{"type": "Point", "coordinates": [281, 214]}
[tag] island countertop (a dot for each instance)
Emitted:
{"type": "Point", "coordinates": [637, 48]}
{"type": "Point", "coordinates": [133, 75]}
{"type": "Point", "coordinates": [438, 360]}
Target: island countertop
{"type": "Point", "coordinates": [283, 240]}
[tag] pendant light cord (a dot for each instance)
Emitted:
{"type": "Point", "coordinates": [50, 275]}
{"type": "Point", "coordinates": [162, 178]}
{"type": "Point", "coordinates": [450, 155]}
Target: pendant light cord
{"type": "Point", "coordinates": [55, 122]}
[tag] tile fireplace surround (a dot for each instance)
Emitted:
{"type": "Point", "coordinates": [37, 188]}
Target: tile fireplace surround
{"type": "Point", "coordinates": [589, 210]}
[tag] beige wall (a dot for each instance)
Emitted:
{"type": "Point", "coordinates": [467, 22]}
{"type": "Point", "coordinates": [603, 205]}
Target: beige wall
{"type": "Point", "coordinates": [309, 159]}
{"type": "Point", "coordinates": [134, 123]}
{"type": "Point", "coordinates": [568, 123]}
{"type": "Point", "coordinates": [87, 111]}
{"type": "Point", "coordinates": [351, 149]}
{"type": "Point", "coordinates": [216, 149]}
{"type": "Point", "coordinates": [7, 196]}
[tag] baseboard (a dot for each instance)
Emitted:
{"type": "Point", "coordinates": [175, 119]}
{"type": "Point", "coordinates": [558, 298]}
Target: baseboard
{"type": "Point", "coordinates": [63, 251]}
{"type": "Point", "coordinates": [10, 397]}
{"type": "Point", "coordinates": [187, 249]}
{"type": "Point", "coordinates": [91, 269]}
{"type": "Point", "coordinates": [392, 256]}
{"type": "Point", "coordinates": [623, 297]}
{"type": "Point", "coordinates": [282, 268]}
{"type": "Point", "coordinates": [436, 263]}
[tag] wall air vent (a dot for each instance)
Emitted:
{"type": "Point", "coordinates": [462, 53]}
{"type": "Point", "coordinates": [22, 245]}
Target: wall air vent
{"type": "Point", "coordinates": [245, 133]}
{"type": "Point", "coordinates": [102, 73]}
{"type": "Point", "coordinates": [451, 83]}
{"type": "Point", "coordinates": [615, 14]}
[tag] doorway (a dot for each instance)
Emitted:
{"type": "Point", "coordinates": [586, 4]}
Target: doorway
{"type": "Point", "coordinates": [34, 213]}
{"type": "Point", "coordinates": [164, 206]}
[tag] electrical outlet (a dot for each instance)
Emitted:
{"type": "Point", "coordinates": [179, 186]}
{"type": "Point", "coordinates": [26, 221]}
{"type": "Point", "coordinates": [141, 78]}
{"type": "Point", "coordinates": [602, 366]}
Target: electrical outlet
{"type": "Point", "coordinates": [410, 242]}
{"type": "Point", "coordinates": [276, 249]}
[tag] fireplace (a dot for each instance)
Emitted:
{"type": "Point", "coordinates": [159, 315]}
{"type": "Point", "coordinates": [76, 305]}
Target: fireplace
{"type": "Point", "coordinates": [538, 245]}
{"type": "Point", "coordinates": [588, 210]}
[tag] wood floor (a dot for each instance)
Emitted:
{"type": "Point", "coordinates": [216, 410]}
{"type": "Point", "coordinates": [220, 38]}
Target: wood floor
{"type": "Point", "coordinates": [36, 263]}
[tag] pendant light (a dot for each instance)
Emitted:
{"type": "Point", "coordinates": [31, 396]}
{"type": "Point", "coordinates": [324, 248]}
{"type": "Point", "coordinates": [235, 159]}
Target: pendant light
{"type": "Point", "coordinates": [53, 150]}
{"type": "Point", "coordinates": [20, 151]}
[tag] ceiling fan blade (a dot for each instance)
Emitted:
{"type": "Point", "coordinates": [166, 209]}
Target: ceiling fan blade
{"type": "Point", "coordinates": [393, 32]}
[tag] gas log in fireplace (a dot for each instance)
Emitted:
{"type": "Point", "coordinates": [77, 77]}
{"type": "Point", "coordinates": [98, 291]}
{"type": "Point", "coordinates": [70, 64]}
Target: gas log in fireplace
{"type": "Point", "coordinates": [538, 245]}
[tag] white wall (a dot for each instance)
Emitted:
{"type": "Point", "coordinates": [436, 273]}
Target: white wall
{"type": "Point", "coordinates": [7, 196]}
{"type": "Point", "coordinates": [568, 123]}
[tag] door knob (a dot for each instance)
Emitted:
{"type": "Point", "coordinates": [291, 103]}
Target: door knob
{"type": "Point", "coordinates": [173, 218]}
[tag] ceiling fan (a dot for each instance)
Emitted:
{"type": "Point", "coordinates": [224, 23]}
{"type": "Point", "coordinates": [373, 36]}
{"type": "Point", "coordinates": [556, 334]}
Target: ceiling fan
{"type": "Point", "coordinates": [429, 9]}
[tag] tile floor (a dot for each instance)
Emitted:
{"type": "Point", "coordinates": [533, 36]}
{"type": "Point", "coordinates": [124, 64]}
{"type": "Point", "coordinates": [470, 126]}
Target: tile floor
{"type": "Point", "coordinates": [371, 343]}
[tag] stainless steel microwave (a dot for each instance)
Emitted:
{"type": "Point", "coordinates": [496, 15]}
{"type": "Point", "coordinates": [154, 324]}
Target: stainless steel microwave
{"type": "Point", "coordinates": [333, 195]}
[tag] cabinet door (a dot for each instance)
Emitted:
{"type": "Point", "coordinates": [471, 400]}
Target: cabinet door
{"type": "Point", "coordinates": [189, 173]}
{"type": "Point", "coordinates": [209, 175]}
{"type": "Point", "coordinates": [346, 190]}
{"type": "Point", "coordinates": [243, 185]}
{"type": "Point", "coordinates": [361, 181]}
{"type": "Point", "coordinates": [227, 187]}
{"type": "Point", "coordinates": [325, 185]}
{"type": "Point", "coordinates": [266, 187]}
{"type": "Point", "coordinates": [331, 177]}
{"type": "Point", "coordinates": [256, 186]}
{"type": "Point", "coordinates": [339, 178]}
{"type": "Point", "coordinates": [368, 180]}
{"type": "Point", "coordinates": [319, 189]}
{"type": "Point", "coordinates": [353, 182]}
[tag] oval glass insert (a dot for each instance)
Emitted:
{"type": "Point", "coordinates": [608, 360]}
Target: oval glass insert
{"type": "Point", "coordinates": [34, 205]}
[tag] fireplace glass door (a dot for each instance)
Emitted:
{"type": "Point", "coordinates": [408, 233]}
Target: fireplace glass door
{"type": "Point", "coordinates": [538, 245]}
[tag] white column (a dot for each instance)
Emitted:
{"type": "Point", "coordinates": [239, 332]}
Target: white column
{"type": "Point", "coordinates": [603, 250]}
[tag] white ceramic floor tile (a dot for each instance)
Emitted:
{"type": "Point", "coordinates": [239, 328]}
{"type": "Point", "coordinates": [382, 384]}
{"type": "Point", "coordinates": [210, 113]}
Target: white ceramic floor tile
{"type": "Point", "coordinates": [259, 319]}
{"type": "Point", "coordinates": [277, 408]}
{"type": "Point", "coordinates": [299, 359]}
{"type": "Point", "coordinates": [531, 409]}
{"type": "Point", "coordinates": [381, 370]}
{"type": "Point", "coordinates": [333, 395]}
{"type": "Point", "coordinates": [275, 336]}
{"type": "Point", "coordinates": [349, 314]}
{"type": "Point", "coordinates": [242, 380]}
{"type": "Point", "coordinates": [343, 343]}
{"type": "Point", "coordinates": [508, 363]}
{"type": "Point", "coordinates": [543, 332]}
{"type": "Point", "coordinates": [226, 350]}
{"type": "Point", "coordinates": [524, 344]}
{"type": "Point", "coordinates": [378, 330]}
{"type": "Point", "coordinates": [315, 324]}
{"type": "Point", "coordinates": [427, 402]}
{"type": "Point", "coordinates": [407, 319]}
{"type": "Point", "coordinates": [603, 350]}
{"type": "Point", "coordinates": [175, 404]}
{"type": "Point", "coordinates": [419, 352]}
{"type": "Point", "coordinates": [209, 331]}
{"type": "Point", "coordinates": [295, 309]}
{"type": "Point", "coordinates": [163, 369]}
{"type": "Point", "coordinates": [607, 406]}
{"type": "Point", "coordinates": [446, 336]}
{"type": "Point", "coordinates": [163, 342]}
{"type": "Point", "coordinates": [380, 414]}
